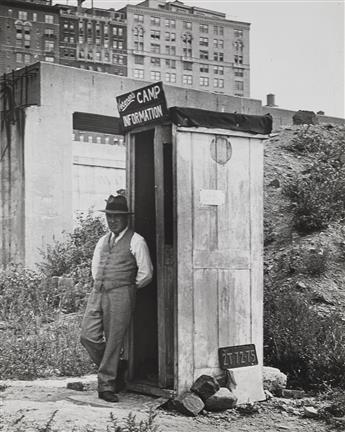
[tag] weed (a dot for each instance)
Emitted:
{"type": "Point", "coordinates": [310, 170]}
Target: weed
{"type": "Point", "coordinates": [309, 348]}
{"type": "Point", "coordinates": [130, 424]}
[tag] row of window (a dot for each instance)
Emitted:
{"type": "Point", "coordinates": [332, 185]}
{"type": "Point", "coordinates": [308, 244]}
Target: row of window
{"type": "Point", "coordinates": [107, 57]}
{"type": "Point", "coordinates": [26, 58]}
{"type": "Point", "coordinates": [171, 23]}
{"type": "Point", "coordinates": [91, 27]}
{"type": "Point", "coordinates": [24, 15]}
{"type": "Point", "coordinates": [170, 77]}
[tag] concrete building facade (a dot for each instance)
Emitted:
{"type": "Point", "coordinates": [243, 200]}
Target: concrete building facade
{"type": "Point", "coordinates": [188, 47]}
{"type": "Point", "coordinates": [155, 40]}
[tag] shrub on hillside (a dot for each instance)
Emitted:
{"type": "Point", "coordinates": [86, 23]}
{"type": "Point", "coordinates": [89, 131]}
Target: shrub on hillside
{"type": "Point", "coordinates": [318, 196]}
{"type": "Point", "coordinates": [309, 348]}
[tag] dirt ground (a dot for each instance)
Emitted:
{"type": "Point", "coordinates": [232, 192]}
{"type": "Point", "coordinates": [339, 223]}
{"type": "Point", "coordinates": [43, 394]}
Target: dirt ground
{"type": "Point", "coordinates": [48, 405]}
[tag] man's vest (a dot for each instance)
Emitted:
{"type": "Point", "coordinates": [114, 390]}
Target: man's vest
{"type": "Point", "coordinates": [117, 267]}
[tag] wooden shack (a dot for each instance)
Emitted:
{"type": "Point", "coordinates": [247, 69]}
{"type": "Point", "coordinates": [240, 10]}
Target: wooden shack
{"type": "Point", "coordinates": [195, 183]}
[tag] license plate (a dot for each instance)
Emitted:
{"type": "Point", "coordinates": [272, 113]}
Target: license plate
{"type": "Point", "coordinates": [237, 356]}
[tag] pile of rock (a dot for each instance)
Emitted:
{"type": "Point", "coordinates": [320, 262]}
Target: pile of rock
{"type": "Point", "coordinates": [205, 393]}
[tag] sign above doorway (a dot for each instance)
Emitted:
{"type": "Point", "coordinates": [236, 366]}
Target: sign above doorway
{"type": "Point", "coordinates": [143, 106]}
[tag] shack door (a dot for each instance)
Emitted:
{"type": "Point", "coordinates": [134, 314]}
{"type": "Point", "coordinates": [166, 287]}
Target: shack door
{"type": "Point", "coordinates": [150, 187]}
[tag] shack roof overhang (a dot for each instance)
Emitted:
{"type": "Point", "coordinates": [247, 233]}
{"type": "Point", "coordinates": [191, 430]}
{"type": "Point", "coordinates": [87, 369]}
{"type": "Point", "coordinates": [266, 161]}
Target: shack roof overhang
{"type": "Point", "coordinates": [194, 117]}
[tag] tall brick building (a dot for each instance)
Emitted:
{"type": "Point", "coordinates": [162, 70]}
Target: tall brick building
{"type": "Point", "coordinates": [29, 32]}
{"type": "Point", "coordinates": [154, 40]}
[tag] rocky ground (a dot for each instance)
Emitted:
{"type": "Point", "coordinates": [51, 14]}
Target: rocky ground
{"type": "Point", "coordinates": [48, 405]}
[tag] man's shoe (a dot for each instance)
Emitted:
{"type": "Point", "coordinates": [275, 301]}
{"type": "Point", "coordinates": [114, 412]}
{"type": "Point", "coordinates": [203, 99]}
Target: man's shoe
{"type": "Point", "coordinates": [108, 396]}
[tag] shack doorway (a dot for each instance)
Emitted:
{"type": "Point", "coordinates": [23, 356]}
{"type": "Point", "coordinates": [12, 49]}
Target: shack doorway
{"type": "Point", "coordinates": [151, 190]}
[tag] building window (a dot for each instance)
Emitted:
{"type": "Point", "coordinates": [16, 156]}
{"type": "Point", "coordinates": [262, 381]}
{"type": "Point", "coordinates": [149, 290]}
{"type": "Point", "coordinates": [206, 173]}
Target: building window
{"type": "Point", "coordinates": [218, 56]}
{"type": "Point", "coordinates": [171, 23]}
{"type": "Point", "coordinates": [203, 55]}
{"type": "Point", "coordinates": [187, 79]}
{"type": "Point", "coordinates": [238, 72]}
{"type": "Point", "coordinates": [120, 31]}
{"type": "Point", "coordinates": [238, 33]}
{"type": "Point", "coordinates": [22, 15]}
{"type": "Point", "coordinates": [98, 56]}
{"type": "Point", "coordinates": [19, 33]}
{"type": "Point", "coordinates": [187, 25]}
{"type": "Point", "coordinates": [156, 61]}
{"type": "Point", "coordinates": [238, 45]}
{"type": "Point", "coordinates": [155, 34]}
{"type": "Point", "coordinates": [218, 83]}
{"type": "Point", "coordinates": [239, 86]}
{"type": "Point", "coordinates": [105, 30]}
{"type": "Point", "coordinates": [138, 18]}
{"type": "Point", "coordinates": [170, 77]}
{"type": "Point", "coordinates": [187, 53]}
{"type": "Point", "coordinates": [81, 54]}
{"type": "Point", "coordinates": [170, 50]}
{"type": "Point", "coordinates": [106, 57]}
{"type": "Point", "coordinates": [138, 31]}
{"type": "Point", "coordinates": [19, 57]}
{"type": "Point", "coordinates": [203, 41]}
{"type": "Point", "coordinates": [48, 46]}
{"type": "Point", "coordinates": [170, 63]}
{"type": "Point", "coordinates": [138, 73]}
{"type": "Point", "coordinates": [204, 81]}
{"type": "Point", "coordinates": [155, 48]}
{"type": "Point", "coordinates": [139, 46]}
{"type": "Point", "coordinates": [187, 66]}
{"type": "Point", "coordinates": [204, 68]}
{"type": "Point", "coordinates": [34, 17]}
{"type": "Point", "coordinates": [218, 70]}
{"type": "Point", "coordinates": [170, 36]}
{"type": "Point", "coordinates": [238, 59]}
{"type": "Point", "coordinates": [139, 60]}
{"type": "Point", "coordinates": [155, 75]}
{"type": "Point", "coordinates": [218, 43]}
{"type": "Point", "coordinates": [155, 21]}
{"type": "Point", "coordinates": [203, 28]}
{"type": "Point", "coordinates": [49, 19]}
{"type": "Point", "coordinates": [49, 32]}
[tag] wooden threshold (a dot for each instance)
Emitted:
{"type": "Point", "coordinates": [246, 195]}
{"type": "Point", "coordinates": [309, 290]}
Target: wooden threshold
{"type": "Point", "coordinates": [150, 389]}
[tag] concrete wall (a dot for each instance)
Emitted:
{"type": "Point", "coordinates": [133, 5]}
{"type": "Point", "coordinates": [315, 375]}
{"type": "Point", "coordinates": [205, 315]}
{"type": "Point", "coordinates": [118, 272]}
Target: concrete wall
{"type": "Point", "coordinates": [48, 141]}
{"type": "Point", "coordinates": [283, 117]}
{"type": "Point", "coordinates": [38, 207]}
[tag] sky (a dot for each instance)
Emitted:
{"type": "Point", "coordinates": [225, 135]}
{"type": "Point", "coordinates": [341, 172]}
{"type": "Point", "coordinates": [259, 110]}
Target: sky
{"type": "Point", "coordinates": [296, 49]}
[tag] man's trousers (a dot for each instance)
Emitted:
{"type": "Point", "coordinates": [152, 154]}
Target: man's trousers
{"type": "Point", "coordinates": [107, 317]}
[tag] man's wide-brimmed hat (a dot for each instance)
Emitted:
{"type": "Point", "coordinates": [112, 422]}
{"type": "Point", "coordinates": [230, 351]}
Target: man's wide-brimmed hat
{"type": "Point", "coordinates": [116, 205]}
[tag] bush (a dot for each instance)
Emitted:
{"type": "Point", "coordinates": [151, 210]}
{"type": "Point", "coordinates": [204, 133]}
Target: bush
{"type": "Point", "coordinates": [73, 256]}
{"type": "Point", "coordinates": [318, 196]}
{"type": "Point", "coordinates": [309, 348]}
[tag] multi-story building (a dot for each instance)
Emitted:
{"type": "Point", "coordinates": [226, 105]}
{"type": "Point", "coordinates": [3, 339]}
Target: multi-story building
{"type": "Point", "coordinates": [155, 40]}
{"type": "Point", "coordinates": [29, 32]}
{"type": "Point", "coordinates": [187, 46]}
{"type": "Point", "coordinates": [94, 39]}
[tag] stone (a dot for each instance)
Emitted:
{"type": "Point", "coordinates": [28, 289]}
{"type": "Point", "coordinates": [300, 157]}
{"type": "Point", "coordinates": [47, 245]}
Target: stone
{"type": "Point", "coordinates": [304, 117]}
{"type": "Point", "coordinates": [246, 383]}
{"type": "Point", "coordinates": [222, 400]}
{"type": "Point", "coordinates": [310, 412]}
{"type": "Point", "coordinates": [274, 380]}
{"type": "Point", "coordinates": [293, 394]}
{"type": "Point", "coordinates": [274, 183]}
{"type": "Point", "coordinates": [76, 385]}
{"type": "Point", "coordinates": [189, 404]}
{"type": "Point", "coordinates": [205, 386]}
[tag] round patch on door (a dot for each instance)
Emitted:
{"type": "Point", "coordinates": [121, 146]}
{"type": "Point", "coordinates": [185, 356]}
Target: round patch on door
{"type": "Point", "coordinates": [221, 149]}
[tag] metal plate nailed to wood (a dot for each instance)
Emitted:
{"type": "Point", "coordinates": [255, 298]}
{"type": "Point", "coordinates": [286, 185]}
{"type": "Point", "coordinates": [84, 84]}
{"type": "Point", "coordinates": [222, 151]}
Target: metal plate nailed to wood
{"type": "Point", "coordinates": [237, 356]}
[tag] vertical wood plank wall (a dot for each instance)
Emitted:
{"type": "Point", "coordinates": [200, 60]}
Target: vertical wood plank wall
{"type": "Point", "coordinates": [219, 253]}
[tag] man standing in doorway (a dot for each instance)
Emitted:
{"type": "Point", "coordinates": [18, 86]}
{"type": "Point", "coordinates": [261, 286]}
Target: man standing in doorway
{"type": "Point", "coordinates": [121, 263]}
